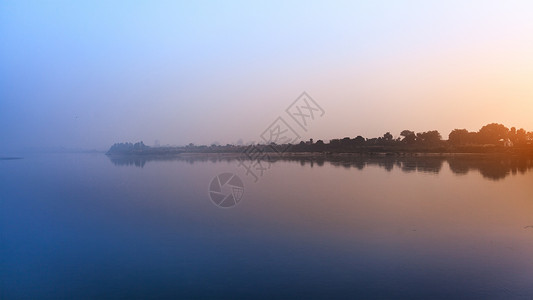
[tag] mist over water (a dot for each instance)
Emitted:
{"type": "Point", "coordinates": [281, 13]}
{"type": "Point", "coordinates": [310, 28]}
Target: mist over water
{"type": "Point", "coordinates": [87, 226]}
{"type": "Point", "coordinates": [266, 150]}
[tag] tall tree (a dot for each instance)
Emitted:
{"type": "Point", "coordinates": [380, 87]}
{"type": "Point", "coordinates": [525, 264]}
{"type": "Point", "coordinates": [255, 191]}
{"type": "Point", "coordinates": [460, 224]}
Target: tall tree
{"type": "Point", "coordinates": [493, 133]}
{"type": "Point", "coordinates": [520, 137]}
{"type": "Point", "coordinates": [459, 137]}
{"type": "Point", "coordinates": [429, 137]}
{"type": "Point", "coordinates": [359, 140]}
{"type": "Point", "coordinates": [409, 136]}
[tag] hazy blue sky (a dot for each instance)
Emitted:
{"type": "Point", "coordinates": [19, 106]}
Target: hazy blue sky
{"type": "Point", "coordinates": [87, 74]}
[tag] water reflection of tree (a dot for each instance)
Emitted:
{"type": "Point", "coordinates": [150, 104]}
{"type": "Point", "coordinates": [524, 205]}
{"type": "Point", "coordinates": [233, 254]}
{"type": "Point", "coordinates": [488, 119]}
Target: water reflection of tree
{"type": "Point", "coordinates": [128, 161]}
{"type": "Point", "coordinates": [406, 164]}
{"type": "Point", "coordinates": [494, 168]}
{"type": "Point", "coordinates": [490, 167]}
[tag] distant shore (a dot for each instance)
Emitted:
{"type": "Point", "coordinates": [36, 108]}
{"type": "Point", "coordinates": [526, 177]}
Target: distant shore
{"type": "Point", "coordinates": [490, 139]}
{"type": "Point", "coordinates": [318, 154]}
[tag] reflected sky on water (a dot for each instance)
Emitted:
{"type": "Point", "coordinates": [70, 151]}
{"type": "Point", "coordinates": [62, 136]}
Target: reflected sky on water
{"type": "Point", "coordinates": [87, 226]}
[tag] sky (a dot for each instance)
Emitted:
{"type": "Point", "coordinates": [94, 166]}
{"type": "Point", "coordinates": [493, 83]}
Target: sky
{"type": "Point", "coordinates": [87, 74]}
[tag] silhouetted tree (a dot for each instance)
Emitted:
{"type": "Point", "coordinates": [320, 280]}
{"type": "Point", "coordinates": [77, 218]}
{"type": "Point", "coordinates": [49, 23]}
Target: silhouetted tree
{"type": "Point", "coordinates": [388, 136]}
{"type": "Point", "coordinates": [512, 133]}
{"type": "Point", "coordinates": [520, 137]}
{"type": "Point", "coordinates": [346, 141]}
{"type": "Point", "coordinates": [409, 136]}
{"type": "Point", "coordinates": [493, 133]}
{"type": "Point", "coordinates": [127, 148]}
{"type": "Point", "coordinates": [335, 142]}
{"type": "Point", "coordinates": [459, 137]}
{"type": "Point", "coordinates": [429, 137]}
{"type": "Point", "coordinates": [359, 140]}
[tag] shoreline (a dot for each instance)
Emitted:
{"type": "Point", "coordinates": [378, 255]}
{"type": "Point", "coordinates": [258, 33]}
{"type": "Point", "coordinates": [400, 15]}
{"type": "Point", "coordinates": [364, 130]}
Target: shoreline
{"type": "Point", "coordinates": [325, 154]}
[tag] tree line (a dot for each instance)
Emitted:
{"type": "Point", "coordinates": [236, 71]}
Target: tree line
{"type": "Point", "coordinates": [493, 137]}
{"type": "Point", "coordinates": [491, 134]}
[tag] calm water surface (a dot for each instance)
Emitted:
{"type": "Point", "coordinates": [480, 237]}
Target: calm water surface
{"type": "Point", "coordinates": [85, 226]}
